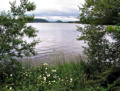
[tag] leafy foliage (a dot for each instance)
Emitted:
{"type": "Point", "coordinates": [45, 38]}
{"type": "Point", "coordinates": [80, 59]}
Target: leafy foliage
{"type": "Point", "coordinates": [48, 78]}
{"type": "Point", "coordinates": [100, 12]}
{"type": "Point", "coordinates": [13, 30]}
{"type": "Point", "coordinates": [97, 51]}
{"type": "Point", "coordinates": [103, 56]}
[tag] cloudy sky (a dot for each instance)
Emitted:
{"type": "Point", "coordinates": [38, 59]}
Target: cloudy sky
{"type": "Point", "coordinates": [52, 9]}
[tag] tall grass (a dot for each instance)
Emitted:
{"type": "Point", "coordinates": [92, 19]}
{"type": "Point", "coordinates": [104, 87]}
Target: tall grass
{"type": "Point", "coordinates": [62, 76]}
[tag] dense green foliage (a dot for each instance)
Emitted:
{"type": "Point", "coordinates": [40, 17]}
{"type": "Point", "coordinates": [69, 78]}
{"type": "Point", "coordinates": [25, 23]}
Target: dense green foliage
{"type": "Point", "coordinates": [98, 47]}
{"type": "Point", "coordinates": [62, 77]}
{"type": "Point", "coordinates": [100, 50]}
{"type": "Point", "coordinates": [101, 70]}
{"type": "Point", "coordinates": [13, 30]}
{"type": "Point", "coordinates": [103, 55]}
{"type": "Point", "coordinates": [70, 76]}
{"type": "Point", "coordinates": [100, 12]}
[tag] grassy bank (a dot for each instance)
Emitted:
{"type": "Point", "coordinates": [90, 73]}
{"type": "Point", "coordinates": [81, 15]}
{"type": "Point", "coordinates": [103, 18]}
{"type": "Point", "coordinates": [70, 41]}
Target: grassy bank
{"type": "Point", "coordinates": [62, 77]}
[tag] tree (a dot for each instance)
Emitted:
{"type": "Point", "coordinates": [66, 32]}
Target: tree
{"type": "Point", "coordinates": [100, 51]}
{"type": "Point", "coordinates": [103, 56]}
{"type": "Point", "coordinates": [13, 28]}
{"type": "Point", "coordinates": [100, 11]}
{"type": "Point", "coordinates": [98, 46]}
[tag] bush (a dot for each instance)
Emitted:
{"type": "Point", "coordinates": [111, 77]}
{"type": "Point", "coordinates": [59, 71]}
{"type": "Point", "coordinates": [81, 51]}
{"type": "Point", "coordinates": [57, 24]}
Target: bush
{"type": "Point", "coordinates": [62, 77]}
{"type": "Point", "coordinates": [97, 51]}
{"type": "Point", "coordinates": [12, 44]}
{"type": "Point", "coordinates": [9, 68]}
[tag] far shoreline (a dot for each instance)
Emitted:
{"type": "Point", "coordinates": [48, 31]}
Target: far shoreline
{"type": "Point", "coordinates": [54, 22]}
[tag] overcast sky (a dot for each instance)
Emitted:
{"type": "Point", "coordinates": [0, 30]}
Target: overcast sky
{"type": "Point", "coordinates": [52, 9]}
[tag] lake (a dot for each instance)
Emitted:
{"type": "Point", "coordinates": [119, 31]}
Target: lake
{"type": "Point", "coordinates": [57, 39]}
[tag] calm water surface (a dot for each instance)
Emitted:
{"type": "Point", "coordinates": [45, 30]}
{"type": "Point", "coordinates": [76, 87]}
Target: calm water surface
{"type": "Point", "coordinates": [57, 39]}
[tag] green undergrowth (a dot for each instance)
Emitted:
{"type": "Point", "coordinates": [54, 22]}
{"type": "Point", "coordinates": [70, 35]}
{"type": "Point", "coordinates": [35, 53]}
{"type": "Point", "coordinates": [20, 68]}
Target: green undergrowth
{"type": "Point", "coordinates": [70, 76]}
{"type": "Point", "coordinates": [62, 77]}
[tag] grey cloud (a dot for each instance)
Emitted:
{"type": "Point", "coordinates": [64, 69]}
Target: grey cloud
{"type": "Point", "coordinates": [72, 12]}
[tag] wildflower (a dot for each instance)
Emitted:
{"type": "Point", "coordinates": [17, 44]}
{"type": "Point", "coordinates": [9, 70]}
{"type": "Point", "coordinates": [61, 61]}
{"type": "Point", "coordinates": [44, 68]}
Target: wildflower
{"type": "Point", "coordinates": [23, 67]}
{"type": "Point", "coordinates": [45, 64]}
{"type": "Point", "coordinates": [6, 86]}
{"type": "Point", "coordinates": [55, 76]}
{"type": "Point", "coordinates": [49, 82]}
{"type": "Point", "coordinates": [59, 78]}
{"type": "Point", "coordinates": [26, 74]}
{"type": "Point", "coordinates": [71, 79]}
{"type": "Point", "coordinates": [62, 80]}
{"type": "Point", "coordinates": [53, 70]}
{"type": "Point", "coordinates": [10, 88]}
{"type": "Point", "coordinates": [40, 76]}
{"type": "Point", "coordinates": [44, 78]}
{"type": "Point", "coordinates": [53, 81]}
{"type": "Point", "coordinates": [48, 75]}
{"type": "Point", "coordinates": [11, 75]}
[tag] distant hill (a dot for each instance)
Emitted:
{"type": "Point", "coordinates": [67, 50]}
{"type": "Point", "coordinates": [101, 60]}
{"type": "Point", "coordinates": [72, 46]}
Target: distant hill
{"type": "Point", "coordinates": [40, 20]}
{"type": "Point", "coordinates": [59, 21]}
{"type": "Point", "coordinates": [73, 22]}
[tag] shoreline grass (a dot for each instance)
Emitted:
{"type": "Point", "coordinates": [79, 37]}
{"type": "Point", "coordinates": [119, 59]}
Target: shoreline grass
{"type": "Point", "coordinates": [67, 76]}
{"type": "Point", "coordinates": [72, 75]}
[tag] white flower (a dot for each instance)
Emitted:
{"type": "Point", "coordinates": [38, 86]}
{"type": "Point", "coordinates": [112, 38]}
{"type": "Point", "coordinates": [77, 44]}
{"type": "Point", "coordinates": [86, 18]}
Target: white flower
{"type": "Point", "coordinates": [49, 82]}
{"type": "Point", "coordinates": [55, 76]}
{"type": "Point", "coordinates": [53, 81]}
{"type": "Point", "coordinates": [59, 78]}
{"type": "Point", "coordinates": [48, 75]}
{"type": "Point", "coordinates": [6, 86]}
{"type": "Point", "coordinates": [10, 88]}
{"type": "Point", "coordinates": [44, 78]}
{"type": "Point", "coordinates": [62, 80]}
{"type": "Point", "coordinates": [46, 68]}
{"type": "Point", "coordinates": [40, 76]}
{"type": "Point", "coordinates": [45, 64]}
{"type": "Point", "coordinates": [71, 79]}
{"type": "Point", "coordinates": [26, 74]}
{"type": "Point", "coordinates": [53, 70]}
{"type": "Point", "coordinates": [11, 75]}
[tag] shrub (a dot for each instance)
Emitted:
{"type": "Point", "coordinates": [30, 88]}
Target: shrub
{"type": "Point", "coordinates": [97, 51]}
{"type": "Point", "coordinates": [12, 30]}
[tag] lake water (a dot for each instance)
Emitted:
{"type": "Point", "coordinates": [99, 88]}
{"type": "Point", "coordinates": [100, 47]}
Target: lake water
{"type": "Point", "coordinates": [57, 39]}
